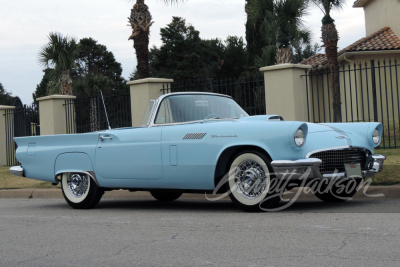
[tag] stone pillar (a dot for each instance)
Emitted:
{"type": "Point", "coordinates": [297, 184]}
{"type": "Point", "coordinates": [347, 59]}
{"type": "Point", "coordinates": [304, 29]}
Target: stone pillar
{"type": "Point", "coordinates": [286, 91]}
{"type": "Point", "coordinates": [142, 91]}
{"type": "Point", "coordinates": [52, 114]}
{"type": "Point", "coordinates": [3, 137]}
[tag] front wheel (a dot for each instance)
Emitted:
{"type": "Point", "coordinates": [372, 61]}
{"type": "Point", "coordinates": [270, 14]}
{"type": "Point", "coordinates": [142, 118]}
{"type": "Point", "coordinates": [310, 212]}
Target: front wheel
{"type": "Point", "coordinates": [80, 191]}
{"type": "Point", "coordinates": [165, 196]}
{"type": "Point", "coordinates": [251, 182]}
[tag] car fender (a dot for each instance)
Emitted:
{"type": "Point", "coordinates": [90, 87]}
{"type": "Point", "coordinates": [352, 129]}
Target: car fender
{"type": "Point", "coordinates": [73, 162]}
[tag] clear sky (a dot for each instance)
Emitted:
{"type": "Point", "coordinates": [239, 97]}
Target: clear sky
{"type": "Point", "coordinates": [25, 25]}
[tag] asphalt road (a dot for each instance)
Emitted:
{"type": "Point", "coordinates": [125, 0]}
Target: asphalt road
{"type": "Point", "coordinates": [46, 232]}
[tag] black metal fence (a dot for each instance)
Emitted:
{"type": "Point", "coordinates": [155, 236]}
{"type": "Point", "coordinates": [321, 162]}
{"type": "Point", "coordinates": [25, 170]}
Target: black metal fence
{"type": "Point", "coordinates": [88, 114]}
{"type": "Point", "coordinates": [21, 121]}
{"type": "Point", "coordinates": [248, 92]}
{"type": "Point", "coordinates": [369, 91]}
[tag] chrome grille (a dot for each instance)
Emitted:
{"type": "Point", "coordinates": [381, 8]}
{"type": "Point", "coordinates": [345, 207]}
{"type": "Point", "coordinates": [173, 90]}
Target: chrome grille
{"type": "Point", "coordinates": [336, 158]}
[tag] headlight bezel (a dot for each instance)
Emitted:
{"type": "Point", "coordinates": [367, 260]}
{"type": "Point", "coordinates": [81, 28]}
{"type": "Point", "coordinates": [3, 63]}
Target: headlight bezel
{"type": "Point", "coordinates": [376, 134]}
{"type": "Point", "coordinates": [299, 137]}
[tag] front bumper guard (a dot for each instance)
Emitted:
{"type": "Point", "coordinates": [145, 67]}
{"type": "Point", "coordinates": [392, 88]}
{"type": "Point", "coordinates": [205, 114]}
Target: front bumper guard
{"type": "Point", "coordinates": [294, 169]}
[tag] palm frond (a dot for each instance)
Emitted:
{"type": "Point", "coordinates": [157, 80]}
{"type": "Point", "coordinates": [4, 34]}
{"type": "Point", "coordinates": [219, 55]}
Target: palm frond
{"type": "Point", "coordinates": [327, 6]}
{"type": "Point", "coordinates": [59, 53]}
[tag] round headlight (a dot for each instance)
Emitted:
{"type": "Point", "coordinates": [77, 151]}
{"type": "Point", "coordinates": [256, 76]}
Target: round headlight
{"type": "Point", "coordinates": [376, 136]}
{"type": "Point", "coordinates": [299, 137]}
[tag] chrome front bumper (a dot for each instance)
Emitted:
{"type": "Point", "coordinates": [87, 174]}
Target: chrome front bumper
{"type": "Point", "coordinates": [17, 171]}
{"type": "Point", "coordinates": [294, 169]}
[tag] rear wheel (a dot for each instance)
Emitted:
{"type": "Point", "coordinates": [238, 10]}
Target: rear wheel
{"type": "Point", "coordinates": [250, 180]}
{"type": "Point", "coordinates": [80, 191]}
{"type": "Point", "coordinates": [165, 196]}
{"type": "Point", "coordinates": [339, 191]}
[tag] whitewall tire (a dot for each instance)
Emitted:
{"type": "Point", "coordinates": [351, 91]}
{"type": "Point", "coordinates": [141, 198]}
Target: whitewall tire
{"type": "Point", "coordinates": [80, 191]}
{"type": "Point", "coordinates": [249, 181]}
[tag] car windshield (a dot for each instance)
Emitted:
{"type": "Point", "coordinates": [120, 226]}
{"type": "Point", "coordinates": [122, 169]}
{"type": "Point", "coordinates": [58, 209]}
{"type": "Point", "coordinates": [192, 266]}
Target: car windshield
{"type": "Point", "coordinates": [196, 107]}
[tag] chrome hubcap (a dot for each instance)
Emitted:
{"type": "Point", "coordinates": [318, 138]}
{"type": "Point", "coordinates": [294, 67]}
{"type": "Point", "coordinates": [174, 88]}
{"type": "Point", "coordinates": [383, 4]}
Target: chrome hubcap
{"type": "Point", "coordinates": [78, 184]}
{"type": "Point", "coordinates": [250, 179]}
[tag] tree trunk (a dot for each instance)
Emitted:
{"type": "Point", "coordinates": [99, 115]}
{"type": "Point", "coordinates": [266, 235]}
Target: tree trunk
{"type": "Point", "coordinates": [66, 84]}
{"type": "Point", "coordinates": [140, 21]}
{"type": "Point", "coordinates": [330, 38]}
{"type": "Point", "coordinates": [284, 55]}
{"type": "Point", "coordinates": [141, 45]}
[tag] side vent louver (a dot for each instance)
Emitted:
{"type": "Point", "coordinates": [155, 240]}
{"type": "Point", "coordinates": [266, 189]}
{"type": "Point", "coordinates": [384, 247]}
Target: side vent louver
{"type": "Point", "coordinates": [194, 135]}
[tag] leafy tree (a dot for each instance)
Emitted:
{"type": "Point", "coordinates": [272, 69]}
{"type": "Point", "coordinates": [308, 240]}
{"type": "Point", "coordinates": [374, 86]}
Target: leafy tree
{"type": "Point", "coordinates": [330, 38]}
{"type": "Point", "coordinates": [254, 37]}
{"type": "Point", "coordinates": [96, 61]}
{"type": "Point", "coordinates": [234, 57]}
{"type": "Point", "coordinates": [183, 55]}
{"type": "Point", "coordinates": [267, 58]}
{"type": "Point", "coordinates": [279, 23]}
{"type": "Point", "coordinates": [95, 68]}
{"type": "Point", "coordinates": [303, 51]}
{"type": "Point", "coordinates": [140, 20]}
{"type": "Point", "coordinates": [42, 87]}
{"type": "Point", "coordinates": [89, 84]}
{"type": "Point", "coordinates": [5, 97]}
{"type": "Point", "coordinates": [59, 55]}
{"type": "Point", "coordinates": [134, 75]}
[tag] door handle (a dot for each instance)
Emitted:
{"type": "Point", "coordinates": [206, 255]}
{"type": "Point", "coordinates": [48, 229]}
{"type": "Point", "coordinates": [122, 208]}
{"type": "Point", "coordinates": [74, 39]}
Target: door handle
{"type": "Point", "coordinates": [105, 137]}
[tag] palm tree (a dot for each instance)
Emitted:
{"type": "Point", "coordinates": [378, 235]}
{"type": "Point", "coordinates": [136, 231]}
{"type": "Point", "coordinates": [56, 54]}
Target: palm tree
{"type": "Point", "coordinates": [330, 38]}
{"type": "Point", "coordinates": [140, 20]}
{"type": "Point", "coordinates": [59, 55]}
{"type": "Point", "coordinates": [281, 23]}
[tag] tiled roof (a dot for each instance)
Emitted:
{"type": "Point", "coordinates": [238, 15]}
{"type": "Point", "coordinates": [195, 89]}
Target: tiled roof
{"type": "Point", "coordinates": [384, 39]}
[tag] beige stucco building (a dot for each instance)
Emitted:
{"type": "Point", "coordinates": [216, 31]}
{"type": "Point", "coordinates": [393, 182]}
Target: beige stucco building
{"type": "Point", "coordinates": [381, 45]}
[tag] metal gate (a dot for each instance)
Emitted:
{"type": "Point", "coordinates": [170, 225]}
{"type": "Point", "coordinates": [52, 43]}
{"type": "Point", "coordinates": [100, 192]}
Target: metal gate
{"type": "Point", "coordinates": [21, 121]}
{"type": "Point", "coordinates": [369, 91]}
{"type": "Point", "coordinates": [247, 91]}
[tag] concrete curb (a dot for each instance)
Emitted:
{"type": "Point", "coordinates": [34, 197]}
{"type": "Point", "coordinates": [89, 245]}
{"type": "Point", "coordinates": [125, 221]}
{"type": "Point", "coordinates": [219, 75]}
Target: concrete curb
{"type": "Point", "coordinates": [389, 192]}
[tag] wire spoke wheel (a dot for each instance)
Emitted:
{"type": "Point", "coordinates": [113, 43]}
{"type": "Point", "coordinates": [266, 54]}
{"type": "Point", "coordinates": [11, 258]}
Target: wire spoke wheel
{"type": "Point", "coordinates": [78, 184]}
{"type": "Point", "coordinates": [250, 180]}
{"type": "Point", "coordinates": [80, 191]}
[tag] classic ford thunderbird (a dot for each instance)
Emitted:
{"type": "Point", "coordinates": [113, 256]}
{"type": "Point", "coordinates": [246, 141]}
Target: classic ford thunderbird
{"type": "Point", "coordinates": [205, 142]}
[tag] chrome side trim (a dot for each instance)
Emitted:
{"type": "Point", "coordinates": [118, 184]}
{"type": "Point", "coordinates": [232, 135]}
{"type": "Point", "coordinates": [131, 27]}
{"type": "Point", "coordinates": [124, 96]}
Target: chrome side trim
{"type": "Point", "coordinates": [17, 171]}
{"type": "Point", "coordinates": [157, 104]}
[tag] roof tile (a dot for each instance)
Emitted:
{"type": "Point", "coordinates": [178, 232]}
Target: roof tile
{"type": "Point", "coordinates": [384, 39]}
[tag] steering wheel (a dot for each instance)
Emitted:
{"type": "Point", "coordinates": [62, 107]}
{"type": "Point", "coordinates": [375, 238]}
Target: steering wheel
{"type": "Point", "coordinates": [211, 116]}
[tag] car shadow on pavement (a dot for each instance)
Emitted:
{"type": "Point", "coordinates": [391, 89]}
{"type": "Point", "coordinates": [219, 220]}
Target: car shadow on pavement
{"type": "Point", "coordinates": [300, 206]}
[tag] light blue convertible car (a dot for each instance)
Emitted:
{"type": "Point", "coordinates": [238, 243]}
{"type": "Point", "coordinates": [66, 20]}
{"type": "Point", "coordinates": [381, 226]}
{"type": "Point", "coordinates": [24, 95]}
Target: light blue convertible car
{"type": "Point", "coordinates": [204, 142]}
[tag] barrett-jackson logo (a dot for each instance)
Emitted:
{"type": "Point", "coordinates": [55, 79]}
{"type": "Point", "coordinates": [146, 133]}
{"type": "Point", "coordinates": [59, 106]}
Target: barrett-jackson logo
{"type": "Point", "coordinates": [215, 136]}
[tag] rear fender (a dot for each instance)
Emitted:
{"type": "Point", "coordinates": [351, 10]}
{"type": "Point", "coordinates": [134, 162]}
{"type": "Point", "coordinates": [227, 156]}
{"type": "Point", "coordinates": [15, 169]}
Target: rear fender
{"type": "Point", "coordinates": [74, 162]}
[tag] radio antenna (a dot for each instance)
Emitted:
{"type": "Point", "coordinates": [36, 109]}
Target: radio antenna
{"type": "Point", "coordinates": [105, 110]}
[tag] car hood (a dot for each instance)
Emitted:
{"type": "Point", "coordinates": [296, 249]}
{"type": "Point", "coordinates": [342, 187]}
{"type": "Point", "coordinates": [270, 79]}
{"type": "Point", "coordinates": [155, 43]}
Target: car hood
{"type": "Point", "coordinates": [312, 127]}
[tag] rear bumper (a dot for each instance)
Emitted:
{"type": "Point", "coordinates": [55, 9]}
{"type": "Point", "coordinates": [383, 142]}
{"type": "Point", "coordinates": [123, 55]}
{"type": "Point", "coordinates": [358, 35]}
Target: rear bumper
{"type": "Point", "coordinates": [294, 169]}
{"type": "Point", "coordinates": [17, 171]}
